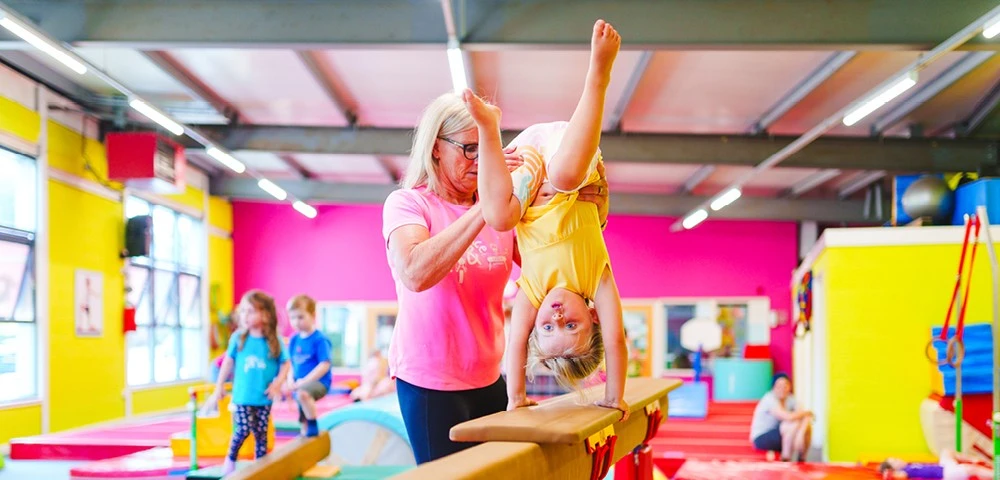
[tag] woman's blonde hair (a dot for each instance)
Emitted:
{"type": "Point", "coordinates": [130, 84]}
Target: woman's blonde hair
{"type": "Point", "coordinates": [445, 116]}
{"type": "Point", "coordinates": [302, 302]}
{"type": "Point", "coordinates": [570, 368]}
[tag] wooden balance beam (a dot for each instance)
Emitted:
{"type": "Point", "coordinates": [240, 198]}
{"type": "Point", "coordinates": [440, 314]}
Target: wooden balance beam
{"type": "Point", "coordinates": [563, 437]}
{"type": "Point", "coordinates": [289, 461]}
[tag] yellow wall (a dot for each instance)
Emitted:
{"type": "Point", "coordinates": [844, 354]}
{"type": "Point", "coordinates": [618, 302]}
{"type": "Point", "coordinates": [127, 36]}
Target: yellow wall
{"type": "Point", "coordinates": [19, 120]}
{"type": "Point", "coordinates": [881, 304]}
{"type": "Point", "coordinates": [20, 422]}
{"type": "Point", "coordinates": [220, 261]}
{"type": "Point", "coordinates": [159, 399]}
{"type": "Point", "coordinates": [192, 197]}
{"type": "Point", "coordinates": [87, 375]}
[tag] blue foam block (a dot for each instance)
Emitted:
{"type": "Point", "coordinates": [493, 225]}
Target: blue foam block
{"type": "Point", "coordinates": [973, 194]}
{"type": "Point", "coordinates": [690, 400]}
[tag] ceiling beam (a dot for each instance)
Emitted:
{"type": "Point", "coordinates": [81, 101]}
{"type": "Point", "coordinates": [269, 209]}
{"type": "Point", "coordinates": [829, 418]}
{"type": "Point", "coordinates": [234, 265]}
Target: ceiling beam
{"type": "Point", "coordinates": [982, 110]}
{"type": "Point", "coordinates": [496, 24]}
{"type": "Point", "coordinates": [42, 73]}
{"type": "Point", "coordinates": [847, 153]}
{"type": "Point", "coordinates": [860, 180]}
{"type": "Point", "coordinates": [296, 166]}
{"type": "Point", "coordinates": [968, 62]}
{"type": "Point", "coordinates": [172, 67]}
{"type": "Point", "coordinates": [821, 210]}
{"type": "Point", "coordinates": [815, 78]}
{"type": "Point", "coordinates": [320, 71]}
{"type": "Point", "coordinates": [811, 182]}
{"type": "Point", "coordinates": [699, 175]}
{"type": "Point", "coordinates": [613, 122]}
{"type": "Point", "coordinates": [387, 166]}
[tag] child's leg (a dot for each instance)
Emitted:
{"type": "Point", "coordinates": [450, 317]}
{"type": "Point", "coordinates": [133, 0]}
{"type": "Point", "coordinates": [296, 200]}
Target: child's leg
{"type": "Point", "coordinates": [804, 438]}
{"type": "Point", "coordinates": [242, 423]}
{"type": "Point", "coordinates": [569, 164]}
{"type": "Point", "coordinates": [260, 419]}
{"type": "Point", "coordinates": [789, 432]}
{"type": "Point", "coordinates": [307, 396]}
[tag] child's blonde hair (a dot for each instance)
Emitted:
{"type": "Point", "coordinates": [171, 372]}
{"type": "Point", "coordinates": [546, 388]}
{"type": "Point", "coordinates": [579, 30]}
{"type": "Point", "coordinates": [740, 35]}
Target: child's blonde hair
{"type": "Point", "coordinates": [265, 303]}
{"type": "Point", "coordinates": [570, 368]}
{"type": "Point", "coordinates": [302, 302]}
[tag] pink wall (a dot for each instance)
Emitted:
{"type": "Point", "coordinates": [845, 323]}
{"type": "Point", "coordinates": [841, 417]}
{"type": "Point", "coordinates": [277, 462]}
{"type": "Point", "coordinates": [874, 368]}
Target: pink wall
{"type": "Point", "coordinates": [339, 255]}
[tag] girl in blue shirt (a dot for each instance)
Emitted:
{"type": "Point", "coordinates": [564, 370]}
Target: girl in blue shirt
{"type": "Point", "coordinates": [259, 364]}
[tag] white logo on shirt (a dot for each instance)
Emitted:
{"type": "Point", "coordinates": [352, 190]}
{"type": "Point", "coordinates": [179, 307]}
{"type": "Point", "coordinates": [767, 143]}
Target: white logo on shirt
{"type": "Point", "coordinates": [480, 254]}
{"type": "Point", "coordinates": [253, 362]}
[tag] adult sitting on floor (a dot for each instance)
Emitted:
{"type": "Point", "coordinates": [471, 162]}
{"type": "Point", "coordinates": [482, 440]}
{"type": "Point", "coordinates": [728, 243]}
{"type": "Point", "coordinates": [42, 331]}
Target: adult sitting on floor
{"type": "Point", "coordinates": [777, 426]}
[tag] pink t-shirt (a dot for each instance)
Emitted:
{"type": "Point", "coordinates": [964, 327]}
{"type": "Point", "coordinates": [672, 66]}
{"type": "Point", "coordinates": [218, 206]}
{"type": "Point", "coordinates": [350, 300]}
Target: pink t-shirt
{"type": "Point", "coordinates": [450, 336]}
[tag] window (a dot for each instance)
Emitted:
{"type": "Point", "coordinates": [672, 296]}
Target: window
{"type": "Point", "coordinates": [344, 325]}
{"type": "Point", "coordinates": [170, 342]}
{"type": "Point", "coordinates": [731, 316]}
{"type": "Point", "coordinates": [18, 326]}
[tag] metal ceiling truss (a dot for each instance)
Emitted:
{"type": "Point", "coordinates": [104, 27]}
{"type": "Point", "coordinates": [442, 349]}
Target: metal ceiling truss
{"type": "Point", "coordinates": [506, 24]}
{"type": "Point", "coordinates": [822, 210]}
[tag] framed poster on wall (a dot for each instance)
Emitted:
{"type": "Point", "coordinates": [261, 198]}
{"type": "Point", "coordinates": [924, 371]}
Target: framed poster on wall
{"type": "Point", "coordinates": [89, 303]}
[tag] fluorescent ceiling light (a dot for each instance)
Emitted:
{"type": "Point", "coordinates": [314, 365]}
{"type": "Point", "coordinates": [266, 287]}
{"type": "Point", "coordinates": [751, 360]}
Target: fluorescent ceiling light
{"type": "Point", "coordinates": [457, 65]}
{"type": "Point", "coordinates": [992, 28]}
{"type": "Point", "coordinates": [269, 187]}
{"type": "Point", "coordinates": [305, 209]}
{"type": "Point", "coordinates": [726, 198]}
{"type": "Point", "coordinates": [38, 42]}
{"type": "Point", "coordinates": [227, 160]}
{"type": "Point", "coordinates": [695, 218]}
{"type": "Point", "coordinates": [154, 115]}
{"type": "Point", "coordinates": [884, 97]}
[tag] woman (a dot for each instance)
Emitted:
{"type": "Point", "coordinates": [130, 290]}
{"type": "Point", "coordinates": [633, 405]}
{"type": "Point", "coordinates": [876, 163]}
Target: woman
{"type": "Point", "coordinates": [777, 426]}
{"type": "Point", "coordinates": [450, 274]}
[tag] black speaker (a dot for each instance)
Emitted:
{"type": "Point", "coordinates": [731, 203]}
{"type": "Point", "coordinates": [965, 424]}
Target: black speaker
{"type": "Point", "coordinates": [138, 236]}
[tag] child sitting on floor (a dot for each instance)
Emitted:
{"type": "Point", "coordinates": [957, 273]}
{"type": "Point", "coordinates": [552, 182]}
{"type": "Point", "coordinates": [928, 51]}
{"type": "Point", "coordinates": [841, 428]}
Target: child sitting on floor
{"type": "Point", "coordinates": [951, 466]}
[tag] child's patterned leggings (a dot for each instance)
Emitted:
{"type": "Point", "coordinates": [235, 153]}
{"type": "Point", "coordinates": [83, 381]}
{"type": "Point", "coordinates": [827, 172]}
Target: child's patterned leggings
{"type": "Point", "coordinates": [246, 420]}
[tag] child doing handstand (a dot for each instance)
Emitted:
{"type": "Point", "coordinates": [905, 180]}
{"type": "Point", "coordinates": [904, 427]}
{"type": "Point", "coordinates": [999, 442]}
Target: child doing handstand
{"type": "Point", "coordinates": [564, 260]}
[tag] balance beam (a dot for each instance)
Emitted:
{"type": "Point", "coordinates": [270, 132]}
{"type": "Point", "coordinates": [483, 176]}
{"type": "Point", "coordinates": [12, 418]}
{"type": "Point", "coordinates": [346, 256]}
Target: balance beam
{"type": "Point", "coordinates": [289, 461]}
{"type": "Point", "coordinates": [560, 438]}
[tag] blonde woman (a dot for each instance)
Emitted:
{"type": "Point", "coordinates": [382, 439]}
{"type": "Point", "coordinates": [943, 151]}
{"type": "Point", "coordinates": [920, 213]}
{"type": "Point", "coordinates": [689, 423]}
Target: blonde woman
{"type": "Point", "coordinates": [450, 270]}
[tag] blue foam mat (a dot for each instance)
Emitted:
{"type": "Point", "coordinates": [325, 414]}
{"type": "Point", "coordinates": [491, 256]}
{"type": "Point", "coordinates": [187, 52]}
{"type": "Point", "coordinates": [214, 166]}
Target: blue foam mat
{"type": "Point", "coordinates": [690, 400]}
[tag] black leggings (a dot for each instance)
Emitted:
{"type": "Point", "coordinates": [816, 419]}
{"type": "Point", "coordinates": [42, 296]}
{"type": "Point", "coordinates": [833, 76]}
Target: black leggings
{"type": "Point", "coordinates": [430, 414]}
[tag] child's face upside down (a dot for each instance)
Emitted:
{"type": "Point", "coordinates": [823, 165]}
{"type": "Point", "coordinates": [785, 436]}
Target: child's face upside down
{"type": "Point", "coordinates": [564, 323]}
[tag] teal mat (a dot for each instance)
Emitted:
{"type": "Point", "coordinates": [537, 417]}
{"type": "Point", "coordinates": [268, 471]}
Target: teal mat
{"type": "Point", "coordinates": [368, 472]}
{"type": "Point", "coordinates": [347, 472]}
{"type": "Point", "coordinates": [214, 472]}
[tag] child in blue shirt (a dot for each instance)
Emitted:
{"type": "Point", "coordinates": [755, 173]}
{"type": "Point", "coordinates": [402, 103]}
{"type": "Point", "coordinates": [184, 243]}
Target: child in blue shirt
{"type": "Point", "coordinates": [259, 364]}
{"type": "Point", "coordinates": [310, 353]}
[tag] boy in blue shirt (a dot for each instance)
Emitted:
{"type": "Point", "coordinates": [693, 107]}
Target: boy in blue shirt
{"type": "Point", "coordinates": [309, 350]}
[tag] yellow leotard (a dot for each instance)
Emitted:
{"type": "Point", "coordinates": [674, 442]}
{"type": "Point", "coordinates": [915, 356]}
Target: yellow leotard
{"type": "Point", "coordinates": [561, 243]}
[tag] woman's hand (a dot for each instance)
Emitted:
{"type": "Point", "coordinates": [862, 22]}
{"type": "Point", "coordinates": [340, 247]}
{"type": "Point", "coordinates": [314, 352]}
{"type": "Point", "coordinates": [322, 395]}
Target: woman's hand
{"type": "Point", "coordinates": [514, 160]}
{"type": "Point", "coordinates": [597, 192]}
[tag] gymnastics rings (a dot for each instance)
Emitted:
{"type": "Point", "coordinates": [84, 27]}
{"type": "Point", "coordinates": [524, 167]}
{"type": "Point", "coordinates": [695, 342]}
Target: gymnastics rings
{"type": "Point", "coordinates": [954, 352]}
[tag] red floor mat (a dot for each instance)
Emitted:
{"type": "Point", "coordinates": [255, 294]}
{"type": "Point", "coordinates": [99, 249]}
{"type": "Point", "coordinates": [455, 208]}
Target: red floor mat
{"type": "Point", "coordinates": [736, 470]}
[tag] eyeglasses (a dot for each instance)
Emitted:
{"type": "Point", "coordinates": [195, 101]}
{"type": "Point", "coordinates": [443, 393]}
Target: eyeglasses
{"type": "Point", "coordinates": [470, 150]}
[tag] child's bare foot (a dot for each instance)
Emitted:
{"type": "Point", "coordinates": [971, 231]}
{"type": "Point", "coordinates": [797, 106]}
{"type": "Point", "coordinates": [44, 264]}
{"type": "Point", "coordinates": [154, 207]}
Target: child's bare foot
{"type": "Point", "coordinates": [486, 115]}
{"type": "Point", "coordinates": [604, 47]}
